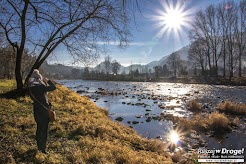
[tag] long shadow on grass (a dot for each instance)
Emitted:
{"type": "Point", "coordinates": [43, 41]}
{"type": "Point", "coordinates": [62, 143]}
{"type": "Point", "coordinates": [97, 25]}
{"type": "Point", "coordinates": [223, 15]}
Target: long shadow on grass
{"type": "Point", "coordinates": [13, 94]}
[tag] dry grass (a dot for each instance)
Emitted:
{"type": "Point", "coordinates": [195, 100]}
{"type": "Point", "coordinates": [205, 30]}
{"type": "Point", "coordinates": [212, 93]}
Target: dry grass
{"type": "Point", "coordinates": [83, 133]}
{"type": "Point", "coordinates": [194, 106]}
{"type": "Point", "coordinates": [235, 121]}
{"type": "Point", "coordinates": [216, 122]}
{"type": "Point", "coordinates": [232, 108]}
{"type": "Point", "coordinates": [197, 123]}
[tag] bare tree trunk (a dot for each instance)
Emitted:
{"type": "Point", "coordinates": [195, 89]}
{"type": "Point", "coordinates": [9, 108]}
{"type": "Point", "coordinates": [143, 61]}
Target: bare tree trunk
{"type": "Point", "coordinates": [240, 65]}
{"type": "Point", "coordinates": [18, 75]}
{"type": "Point", "coordinates": [224, 61]}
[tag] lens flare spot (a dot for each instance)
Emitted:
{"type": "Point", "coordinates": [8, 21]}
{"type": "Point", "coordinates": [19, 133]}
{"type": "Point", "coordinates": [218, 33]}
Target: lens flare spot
{"type": "Point", "coordinates": [174, 137]}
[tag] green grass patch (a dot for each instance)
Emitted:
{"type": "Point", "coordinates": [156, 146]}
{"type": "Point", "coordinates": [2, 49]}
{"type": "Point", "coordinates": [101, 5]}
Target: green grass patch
{"type": "Point", "coordinates": [83, 133]}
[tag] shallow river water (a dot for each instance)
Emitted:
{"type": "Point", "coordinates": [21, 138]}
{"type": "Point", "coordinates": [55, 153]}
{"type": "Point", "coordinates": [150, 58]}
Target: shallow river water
{"type": "Point", "coordinates": [136, 103]}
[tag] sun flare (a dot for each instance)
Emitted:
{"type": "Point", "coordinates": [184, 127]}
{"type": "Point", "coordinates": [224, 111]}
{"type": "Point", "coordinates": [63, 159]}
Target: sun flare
{"type": "Point", "coordinates": [172, 18]}
{"type": "Point", "coordinates": [174, 137]}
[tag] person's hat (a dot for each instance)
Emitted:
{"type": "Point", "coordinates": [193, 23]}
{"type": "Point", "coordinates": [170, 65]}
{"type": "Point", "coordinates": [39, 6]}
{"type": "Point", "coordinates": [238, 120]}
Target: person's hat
{"type": "Point", "coordinates": [37, 75]}
{"type": "Point", "coordinates": [36, 78]}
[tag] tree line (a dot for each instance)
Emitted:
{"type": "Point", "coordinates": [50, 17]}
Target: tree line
{"type": "Point", "coordinates": [111, 70]}
{"type": "Point", "coordinates": [218, 39]}
{"type": "Point", "coordinates": [8, 61]}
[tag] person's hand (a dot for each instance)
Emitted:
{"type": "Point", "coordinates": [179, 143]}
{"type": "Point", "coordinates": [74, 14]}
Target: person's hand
{"type": "Point", "coordinates": [45, 80]}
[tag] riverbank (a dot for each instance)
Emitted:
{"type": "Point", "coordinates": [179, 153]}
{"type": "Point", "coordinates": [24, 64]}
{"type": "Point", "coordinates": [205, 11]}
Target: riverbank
{"type": "Point", "coordinates": [235, 81]}
{"type": "Point", "coordinates": [83, 133]}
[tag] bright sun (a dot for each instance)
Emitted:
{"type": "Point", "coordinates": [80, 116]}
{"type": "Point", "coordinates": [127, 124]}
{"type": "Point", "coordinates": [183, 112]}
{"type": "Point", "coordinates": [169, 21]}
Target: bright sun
{"type": "Point", "coordinates": [172, 18]}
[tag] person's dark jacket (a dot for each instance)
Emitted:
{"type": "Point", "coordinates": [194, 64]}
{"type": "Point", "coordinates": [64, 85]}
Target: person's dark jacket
{"type": "Point", "coordinates": [38, 94]}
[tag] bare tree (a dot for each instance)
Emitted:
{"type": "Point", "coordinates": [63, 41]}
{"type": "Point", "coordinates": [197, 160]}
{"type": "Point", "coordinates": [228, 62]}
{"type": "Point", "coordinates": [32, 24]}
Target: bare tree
{"type": "Point", "coordinates": [199, 32]}
{"type": "Point", "coordinates": [230, 38]}
{"type": "Point", "coordinates": [42, 26]}
{"type": "Point", "coordinates": [7, 62]}
{"type": "Point", "coordinates": [213, 36]}
{"type": "Point", "coordinates": [196, 55]}
{"type": "Point", "coordinates": [174, 63]}
{"type": "Point", "coordinates": [207, 28]}
{"type": "Point", "coordinates": [165, 71]}
{"type": "Point", "coordinates": [115, 67]}
{"type": "Point", "coordinates": [221, 28]}
{"type": "Point", "coordinates": [107, 65]}
{"type": "Point", "coordinates": [223, 32]}
{"type": "Point", "coordinates": [157, 70]}
{"type": "Point", "coordinates": [240, 34]}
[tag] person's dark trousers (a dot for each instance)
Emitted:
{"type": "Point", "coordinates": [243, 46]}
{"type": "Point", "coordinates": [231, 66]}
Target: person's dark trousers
{"type": "Point", "coordinates": [42, 134]}
{"type": "Point", "coordinates": [42, 119]}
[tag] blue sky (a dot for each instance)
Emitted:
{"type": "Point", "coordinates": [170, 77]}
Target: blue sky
{"type": "Point", "coordinates": [149, 42]}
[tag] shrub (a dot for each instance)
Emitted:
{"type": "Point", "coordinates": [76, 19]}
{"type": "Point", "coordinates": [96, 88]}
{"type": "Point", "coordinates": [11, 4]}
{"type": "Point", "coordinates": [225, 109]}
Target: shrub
{"type": "Point", "coordinates": [194, 106]}
{"type": "Point", "coordinates": [218, 122]}
{"type": "Point", "coordinates": [232, 108]}
{"type": "Point", "coordinates": [197, 123]}
{"type": "Point", "coordinates": [215, 122]}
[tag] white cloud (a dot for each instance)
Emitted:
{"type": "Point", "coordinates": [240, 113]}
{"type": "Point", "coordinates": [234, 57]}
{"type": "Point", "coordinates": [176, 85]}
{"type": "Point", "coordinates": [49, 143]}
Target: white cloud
{"type": "Point", "coordinates": [129, 43]}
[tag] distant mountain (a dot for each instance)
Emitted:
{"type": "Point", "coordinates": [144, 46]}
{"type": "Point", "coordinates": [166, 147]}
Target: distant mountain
{"type": "Point", "coordinates": [60, 71]}
{"type": "Point", "coordinates": [152, 64]}
{"type": "Point", "coordinates": [162, 61]}
{"type": "Point", "coordinates": [183, 52]}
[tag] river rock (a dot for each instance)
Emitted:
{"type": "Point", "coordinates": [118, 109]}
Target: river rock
{"type": "Point", "coordinates": [81, 91]}
{"type": "Point", "coordinates": [138, 116]}
{"type": "Point", "coordinates": [148, 119]}
{"type": "Point", "coordinates": [135, 122]}
{"type": "Point", "coordinates": [162, 106]}
{"type": "Point", "coordinates": [119, 119]}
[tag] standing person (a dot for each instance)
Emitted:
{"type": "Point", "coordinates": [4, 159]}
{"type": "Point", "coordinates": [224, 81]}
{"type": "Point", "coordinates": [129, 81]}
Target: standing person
{"type": "Point", "coordinates": [38, 92]}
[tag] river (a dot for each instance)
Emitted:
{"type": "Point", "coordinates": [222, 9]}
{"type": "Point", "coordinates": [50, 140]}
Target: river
{"type": "Point", "coordinates": [134, 103]}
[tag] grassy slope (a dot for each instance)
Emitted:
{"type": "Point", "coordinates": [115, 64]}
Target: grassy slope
{"type": "Point", "coordinates": [82, 133]}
